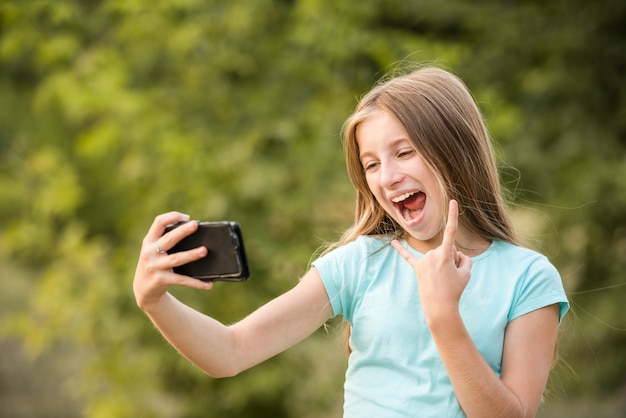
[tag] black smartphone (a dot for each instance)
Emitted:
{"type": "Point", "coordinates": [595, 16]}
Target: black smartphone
{"type": "Point", "coordinates": [226, 258]}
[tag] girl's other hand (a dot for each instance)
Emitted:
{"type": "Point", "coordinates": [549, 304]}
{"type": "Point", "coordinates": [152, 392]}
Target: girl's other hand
{"type": "Point", "coordinates": [443, 273]}
{"type": "Point", "coordinates": [154, 272]}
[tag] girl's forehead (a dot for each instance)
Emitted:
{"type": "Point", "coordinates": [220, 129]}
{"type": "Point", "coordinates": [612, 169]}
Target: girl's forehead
{"type": "Point", "coordinates": [379, 131]}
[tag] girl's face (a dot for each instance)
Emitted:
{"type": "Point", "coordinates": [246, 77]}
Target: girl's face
{"type": "Point", "coordinates": [400, 180]}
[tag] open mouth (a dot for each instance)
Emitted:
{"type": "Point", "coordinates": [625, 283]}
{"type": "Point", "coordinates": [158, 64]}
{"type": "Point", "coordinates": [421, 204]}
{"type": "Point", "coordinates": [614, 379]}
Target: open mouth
{"type": "Point", "coordinates": [410, 205]}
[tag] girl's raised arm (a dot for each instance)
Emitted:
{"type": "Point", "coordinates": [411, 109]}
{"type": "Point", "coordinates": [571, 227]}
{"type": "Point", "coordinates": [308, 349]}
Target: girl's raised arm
{"type": "Point", "coordinates": [220, 350]}
{"type": "Point", "coordinates": [529, 340]}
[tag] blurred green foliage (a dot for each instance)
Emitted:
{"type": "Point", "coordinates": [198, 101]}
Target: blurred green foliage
{"type": "Point", "coordinates": [114, 111]}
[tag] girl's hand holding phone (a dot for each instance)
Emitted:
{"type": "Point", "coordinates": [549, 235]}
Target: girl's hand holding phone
{"type": "Point", "coordinates": [154, 273]}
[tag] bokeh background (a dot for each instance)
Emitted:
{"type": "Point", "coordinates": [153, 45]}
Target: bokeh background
{"type": "Point", "coordinates": [112, 111]}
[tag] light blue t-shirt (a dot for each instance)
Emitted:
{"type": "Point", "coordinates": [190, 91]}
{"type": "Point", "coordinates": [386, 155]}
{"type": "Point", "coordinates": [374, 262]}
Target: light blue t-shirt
{"type": "Point", "coordinates": [394, 369]}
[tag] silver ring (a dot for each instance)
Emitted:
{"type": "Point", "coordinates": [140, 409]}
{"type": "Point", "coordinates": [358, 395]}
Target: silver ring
{"type": "Point", "coordinates": [158, 248]}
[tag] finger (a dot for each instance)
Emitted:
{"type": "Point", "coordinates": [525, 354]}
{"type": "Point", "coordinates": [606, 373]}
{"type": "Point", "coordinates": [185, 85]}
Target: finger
{"type": "Point", "coordinates": [162, 221]}
{"type": "Point", "coordinates": [185, 257]}
{"type": "Point", "coordinates": [449, 233]}
{"type": "Point", "coordinates": [158, 248]}
{"type": "Point", "coordinates": [186, 281]}
{"type": "Point", "coordinates": [166, 278]}
{"type": "Point", "coordinates": [172, 237]}
{"type": "Point", "coordinates": [404, 253]}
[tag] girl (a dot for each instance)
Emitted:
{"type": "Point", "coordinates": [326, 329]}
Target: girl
{"type": "Point", "coordinates": [448, 315]}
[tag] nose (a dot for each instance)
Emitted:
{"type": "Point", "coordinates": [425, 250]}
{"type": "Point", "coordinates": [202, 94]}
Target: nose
{"type": "Point", "coordinates": [390, 174]}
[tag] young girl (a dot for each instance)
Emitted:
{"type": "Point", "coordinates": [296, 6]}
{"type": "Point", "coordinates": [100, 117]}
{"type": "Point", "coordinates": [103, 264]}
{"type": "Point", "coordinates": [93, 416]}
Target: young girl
{"type": "Point", "coordinates": [448, 316]}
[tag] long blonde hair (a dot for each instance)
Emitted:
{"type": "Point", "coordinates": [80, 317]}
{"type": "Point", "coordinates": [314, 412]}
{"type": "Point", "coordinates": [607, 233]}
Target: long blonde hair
{"type": "Point", "coordinates": [442, 120]}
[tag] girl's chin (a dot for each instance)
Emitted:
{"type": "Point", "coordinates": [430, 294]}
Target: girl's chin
{"type": "Point", "coordinates": [420, 233]}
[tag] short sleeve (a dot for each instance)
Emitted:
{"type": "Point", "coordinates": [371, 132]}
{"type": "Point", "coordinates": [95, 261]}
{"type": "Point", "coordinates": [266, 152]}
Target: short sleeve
{"type": "Point", "coordinates": [542, 286]}
{"type": "Point", "coordinates": [339, 270]}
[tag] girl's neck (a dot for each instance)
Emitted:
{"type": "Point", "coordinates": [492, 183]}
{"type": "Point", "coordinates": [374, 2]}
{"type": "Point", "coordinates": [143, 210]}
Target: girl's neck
{"type": "Point", "coordinates": [474, 248]}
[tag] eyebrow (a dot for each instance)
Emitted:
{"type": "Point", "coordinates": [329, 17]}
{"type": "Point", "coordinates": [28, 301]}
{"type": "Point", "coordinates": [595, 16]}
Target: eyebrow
{"type": "Point", "coordinates": [393, 143]}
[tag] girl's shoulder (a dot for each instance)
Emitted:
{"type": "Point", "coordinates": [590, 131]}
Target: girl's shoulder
{"type": "Point", "coordinates": [361, 248]}
{"type": "Point", "coordinates": [509, 250]}
{"type": "Point", "coordinates": [512, 257]}
{"type": "Point", "coordinates": [373, 246]}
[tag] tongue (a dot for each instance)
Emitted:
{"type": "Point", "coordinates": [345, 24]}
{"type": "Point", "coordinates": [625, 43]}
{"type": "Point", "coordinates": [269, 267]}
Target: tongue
{"type": "Point", "coordinates": [415, 202]}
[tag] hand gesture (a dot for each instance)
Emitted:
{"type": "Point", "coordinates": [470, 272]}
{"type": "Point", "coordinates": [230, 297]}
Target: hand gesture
{"type": "Point", "coordinates": [154, 269]}
{"type": "Point", "coordinates": [442, 273]}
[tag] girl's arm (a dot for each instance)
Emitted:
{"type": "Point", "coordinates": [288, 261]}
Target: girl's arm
{"type": "Point", "coordinates": [529, 346]}
{"type": "Point", "coordinates": [217, 349]}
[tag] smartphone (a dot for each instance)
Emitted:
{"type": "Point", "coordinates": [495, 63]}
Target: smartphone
{"type": "Point", "coordinates": [226, 258]}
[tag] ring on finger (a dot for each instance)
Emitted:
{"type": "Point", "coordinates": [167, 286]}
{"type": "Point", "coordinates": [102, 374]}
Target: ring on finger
{"type": "Point", "coordinates": [158, 248]}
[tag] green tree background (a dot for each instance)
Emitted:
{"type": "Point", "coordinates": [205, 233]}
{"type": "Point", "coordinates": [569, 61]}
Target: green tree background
{"type": "Point", "coordinates": [113, 111]}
